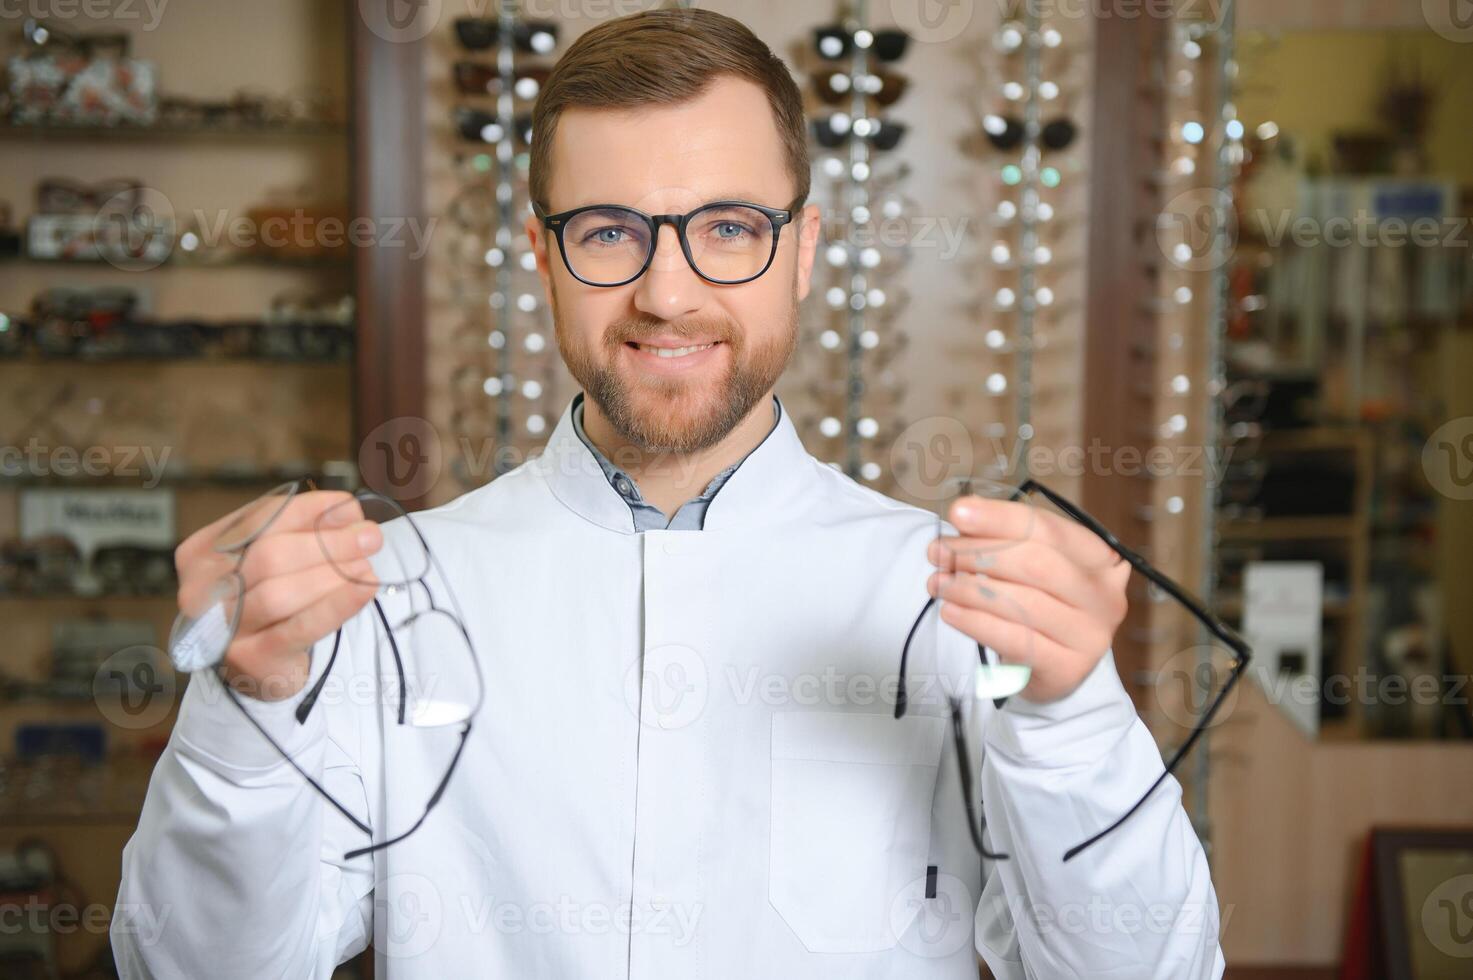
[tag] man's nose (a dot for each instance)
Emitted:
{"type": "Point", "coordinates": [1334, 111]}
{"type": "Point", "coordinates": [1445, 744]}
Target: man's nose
{"type": "Point", "coordinates": [670, 288]}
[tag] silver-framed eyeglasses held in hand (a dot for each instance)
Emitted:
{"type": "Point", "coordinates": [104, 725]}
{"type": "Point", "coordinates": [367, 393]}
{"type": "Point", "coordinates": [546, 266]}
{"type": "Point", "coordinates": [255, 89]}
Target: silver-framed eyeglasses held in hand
{"type": "Point", "coordinates": [438, 675]}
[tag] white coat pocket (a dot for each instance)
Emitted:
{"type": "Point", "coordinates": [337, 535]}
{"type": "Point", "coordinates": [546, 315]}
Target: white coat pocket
{"type": "Point", "coordinates": [851, 825]}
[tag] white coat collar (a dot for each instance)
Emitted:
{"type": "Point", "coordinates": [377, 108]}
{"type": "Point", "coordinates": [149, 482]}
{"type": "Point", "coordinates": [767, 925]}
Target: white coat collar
{"type": "Point", "coordinates": [759, 492]}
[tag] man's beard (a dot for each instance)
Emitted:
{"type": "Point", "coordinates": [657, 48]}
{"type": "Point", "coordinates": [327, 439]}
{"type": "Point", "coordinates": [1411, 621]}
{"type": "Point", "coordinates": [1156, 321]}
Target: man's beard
{"type": "Point", "coordinates": [675, 415]}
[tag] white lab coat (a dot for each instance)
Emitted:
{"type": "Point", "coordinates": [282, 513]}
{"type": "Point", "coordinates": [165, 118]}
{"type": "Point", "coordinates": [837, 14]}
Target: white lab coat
{"type": "Point", "coordinates": [686, 766]}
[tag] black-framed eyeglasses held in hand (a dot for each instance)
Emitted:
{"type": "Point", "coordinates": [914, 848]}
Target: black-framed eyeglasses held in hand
{"type": "Point", "coordinates": [1241, 654]}
{"type": "Point", "coordinates": [726, 242]}
{"type": "Point", "coordinates": [437, 671]}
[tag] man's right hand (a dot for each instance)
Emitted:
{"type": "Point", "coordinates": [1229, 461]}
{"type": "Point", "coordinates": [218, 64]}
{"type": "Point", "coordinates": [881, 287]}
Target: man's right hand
{"type": "Point", "coordinates": [294, 595]}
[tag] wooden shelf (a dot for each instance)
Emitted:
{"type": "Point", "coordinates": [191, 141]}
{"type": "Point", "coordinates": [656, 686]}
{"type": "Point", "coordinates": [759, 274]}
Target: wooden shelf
{"type": "Point", "coordinates": [1292, 529]}
{"type": "Point", "coordinates": [160, 132]}
{"type": "Point", "coordinates": [177, 260]}
{"type": "Point", "coordinates": [1231, 604]}
{"type": "Point", "coordinates": [1315, 439]}
{"type": "Point", "coordinates": [211, 479]}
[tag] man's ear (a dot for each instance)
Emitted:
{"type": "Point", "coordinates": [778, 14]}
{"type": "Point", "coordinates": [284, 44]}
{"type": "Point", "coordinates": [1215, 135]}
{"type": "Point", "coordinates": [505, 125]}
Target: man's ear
{"type": "Point", "coordinates": [809, 228]}
{"type": "Point", "coordinates": [539, 238]}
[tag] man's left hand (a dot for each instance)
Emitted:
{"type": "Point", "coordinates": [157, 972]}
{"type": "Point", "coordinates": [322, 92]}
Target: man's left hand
{"type": "Point", "coordinates": [1037, 588]}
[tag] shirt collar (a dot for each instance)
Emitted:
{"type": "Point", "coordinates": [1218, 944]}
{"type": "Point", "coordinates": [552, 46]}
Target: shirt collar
{"type": "Point", "coordinates": [751, 491]}
{"type": "Point", "coordinates": [623, 483]}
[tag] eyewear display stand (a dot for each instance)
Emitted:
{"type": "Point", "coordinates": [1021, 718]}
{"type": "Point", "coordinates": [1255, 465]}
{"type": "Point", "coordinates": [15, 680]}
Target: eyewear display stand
{"type": "Point", "coordinates": [1196, 153]}
{"type": "Point", "coordinates": [854, 393]}
{"type": "Point", "coordinates": [505, 378]}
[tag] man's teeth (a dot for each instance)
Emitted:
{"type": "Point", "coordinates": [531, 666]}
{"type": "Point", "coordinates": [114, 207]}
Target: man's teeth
{"type": "Point", "coordinates": [673, 351]}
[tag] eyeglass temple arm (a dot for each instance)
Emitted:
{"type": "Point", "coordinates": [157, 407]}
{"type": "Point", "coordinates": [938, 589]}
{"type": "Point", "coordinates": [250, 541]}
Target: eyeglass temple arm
{"type": "Point", "coordinates": [976, 825]}
{"type": "Point", "coordinates": [310, 698]}
{"type": "Point", "coordinates": [1242, 652]}
{"type": "Point", "coordinates": [900, 698]}
{"type": "Point", "coordinates": [398, 661]}
{"type": "Point", "coordinates": [1222, 631]}
{"type": "Point", "coordinates": [230, 693]}
{"type": "Point", "coordinates": [435, 798]}
{"type": "Point", "coordinates": [1201, 727]}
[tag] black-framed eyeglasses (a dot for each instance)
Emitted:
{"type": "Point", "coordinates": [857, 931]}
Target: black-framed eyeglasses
{"type": "Point", "coordinates": [726, 242]}
{"type": "Point", "coordinates": [439, 682]}
{"type": "Point", "coordinates": [1241, 654]}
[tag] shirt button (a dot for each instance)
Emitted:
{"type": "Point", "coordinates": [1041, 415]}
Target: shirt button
{"type": "Point", "coordinates": [624, 486]}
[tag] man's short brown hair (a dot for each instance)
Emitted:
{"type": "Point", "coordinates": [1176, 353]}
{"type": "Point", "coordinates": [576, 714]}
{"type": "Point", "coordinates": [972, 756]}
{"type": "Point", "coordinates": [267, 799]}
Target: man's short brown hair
{"type": "Point", "coordinates": [664, 57]}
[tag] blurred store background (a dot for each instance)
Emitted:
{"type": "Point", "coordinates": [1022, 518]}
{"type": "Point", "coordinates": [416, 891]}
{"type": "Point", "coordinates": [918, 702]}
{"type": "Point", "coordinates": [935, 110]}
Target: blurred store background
{"type": "Point", "coordinates": [1201, 266]}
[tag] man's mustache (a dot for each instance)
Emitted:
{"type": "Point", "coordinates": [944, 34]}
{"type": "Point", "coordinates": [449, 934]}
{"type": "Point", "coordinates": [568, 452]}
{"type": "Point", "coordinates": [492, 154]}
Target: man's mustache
{"type": "Point", "coordinates": [626, 331]}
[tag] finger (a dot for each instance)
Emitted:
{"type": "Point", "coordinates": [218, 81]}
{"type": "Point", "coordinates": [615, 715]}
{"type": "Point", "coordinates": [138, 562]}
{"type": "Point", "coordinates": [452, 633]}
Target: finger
{"type": "Point", "coordinates": [1026, 563]}
{"type": "Point", "coordinates": [280, 597]}
{"type": "Point", "coordinates": [337, 508]}
{"type": "Point", "coordinates": [1065, 625]}
{"type": "Point", "coordinates": [284, 554]}
{"type": "Point", "coordinates": [1012, 642]}
{"type": "Point", "coordinates": [261, 653]}
{"type": "Point", "coordinates": [281, 552]}
{"type": "Point", "coordinates": [199, 579]}
{"type": "Point", "coordinates": [299, 513]}
{"type": "Point", "coordinates": [1016, 644]}
{"type": "Point", "coordinates": [1018, 520]}
{"type": "Point", "coordinates": [198, 544]}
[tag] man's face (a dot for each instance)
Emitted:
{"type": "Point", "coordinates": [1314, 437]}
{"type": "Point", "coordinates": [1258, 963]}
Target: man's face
{"type": "Point", "coordinates": [723, 145]}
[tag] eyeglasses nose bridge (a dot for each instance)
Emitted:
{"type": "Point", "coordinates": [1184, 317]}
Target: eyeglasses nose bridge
{"type": "Point", "coordinates": [677, 226]}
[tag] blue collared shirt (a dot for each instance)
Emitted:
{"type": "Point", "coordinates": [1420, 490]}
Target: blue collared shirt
{"type": "Point", "coordinates": [647, 517]}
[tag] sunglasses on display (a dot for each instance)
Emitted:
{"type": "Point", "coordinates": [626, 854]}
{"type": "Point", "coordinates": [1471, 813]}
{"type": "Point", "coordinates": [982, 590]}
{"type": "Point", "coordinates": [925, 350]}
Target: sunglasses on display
{"type": "Point", "coordinates": [475, 78]}
{"type": "Point", "coordinates": [247, 108]}
{"type": "Point", "coordinates": [1006, 132]}
{"type": "Point", "coordinates": [837, 130]}
{"type": "Point", "coordinates": [880, 88]}
{"type": "Point", "coordinates": [833, 43]}
{"type": "Point", "coordinates": [125, 569]}
{"type": "Point", "coordinates": [39, 566]}
{"type": "Point", "coordinates": [480, 126]}
{"type": "Point", "coordinates": [531, 37]}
